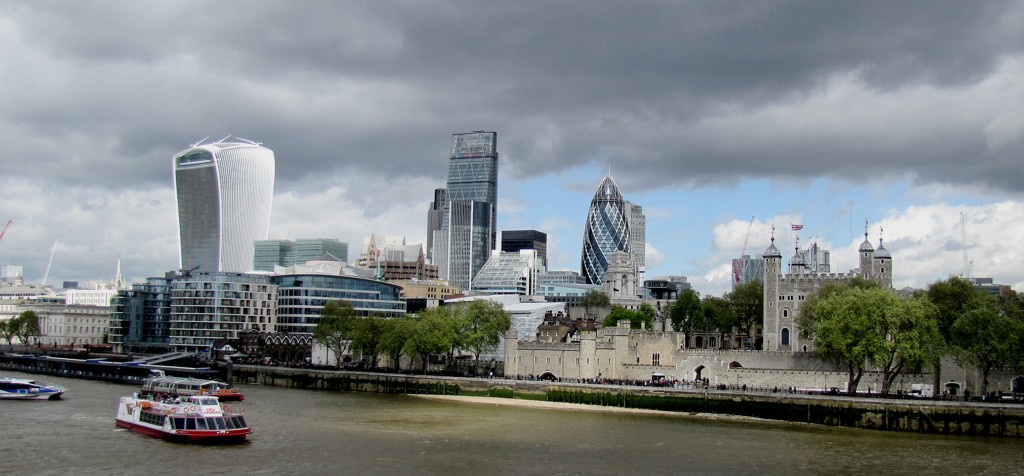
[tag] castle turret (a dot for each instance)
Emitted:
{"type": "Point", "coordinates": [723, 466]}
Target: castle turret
{"type": "Point", "coordinates": [772, 273]}
{"type": "Point", "coordinates": [867, 254]}
{"type": "Point", "coordinates": [882, 265]}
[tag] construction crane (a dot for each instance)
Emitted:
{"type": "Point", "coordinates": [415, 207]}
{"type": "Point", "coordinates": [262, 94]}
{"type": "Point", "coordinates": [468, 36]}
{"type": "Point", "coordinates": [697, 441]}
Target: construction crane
{"type": "Point", "coordinates": [2, 233]}
{"type": "Point", "coordinates": [832, 223]}
{"type": "Point", "coordinates": [739, 270]}
{"type": "Point", "coordinates": [963, 243]}
{"type": "Point", "coordinates": [47, 273]}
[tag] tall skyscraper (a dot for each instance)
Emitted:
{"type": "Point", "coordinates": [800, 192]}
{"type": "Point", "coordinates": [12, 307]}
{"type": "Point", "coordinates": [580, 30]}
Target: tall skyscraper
{"type": "Point", "coordinates": [225, 191]}
{"type": "Point", "coordinates": [638, 239]}
{"type": "Point", "coordinates": [606, 231]}
{"type": "Point", "coordinates": [435, 216]}
{"type": "Point", "coordinates": [471, 208]}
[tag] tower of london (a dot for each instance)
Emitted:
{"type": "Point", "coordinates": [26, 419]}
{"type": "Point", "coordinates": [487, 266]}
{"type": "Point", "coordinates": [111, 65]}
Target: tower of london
{"type": "Point", "coordinates": [809, 270]}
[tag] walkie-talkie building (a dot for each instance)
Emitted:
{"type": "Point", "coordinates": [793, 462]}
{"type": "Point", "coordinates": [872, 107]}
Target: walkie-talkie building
{"type": "Point", "coordinates": [225, 192]}
{"type": "Point", "coordinates": [606, 231]}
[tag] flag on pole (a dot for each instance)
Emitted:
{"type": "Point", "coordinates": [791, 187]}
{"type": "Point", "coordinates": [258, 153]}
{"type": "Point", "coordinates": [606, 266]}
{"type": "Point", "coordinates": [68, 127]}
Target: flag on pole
{"type": "Point", "coordinates": [796, 227]}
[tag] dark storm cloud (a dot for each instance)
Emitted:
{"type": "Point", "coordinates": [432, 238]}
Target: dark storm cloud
{"type": "Point", "coordinates": [377, 88]}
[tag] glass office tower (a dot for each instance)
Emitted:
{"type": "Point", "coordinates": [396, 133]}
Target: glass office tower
{"type": "Point", "coordinates": [471, 205]}
{"type": "Point", "coordinates": [606, 231]}
{"type": "Point", "coordinates": [225, 191]}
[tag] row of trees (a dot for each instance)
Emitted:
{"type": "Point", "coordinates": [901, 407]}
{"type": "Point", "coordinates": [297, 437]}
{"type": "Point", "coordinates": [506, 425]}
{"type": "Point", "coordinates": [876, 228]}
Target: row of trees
{"type": "Point", "coordinates": [475, 327]}
{"type": "Point", "coordinates": [860, 324]}
{"type": "Point", "coordinates": [741, 309]}
{"type": "Point", "coordinates": [23, 327]}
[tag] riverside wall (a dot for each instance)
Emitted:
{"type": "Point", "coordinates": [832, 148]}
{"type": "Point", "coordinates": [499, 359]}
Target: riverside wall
{"type": "Point", "coordinates": [919, 416]}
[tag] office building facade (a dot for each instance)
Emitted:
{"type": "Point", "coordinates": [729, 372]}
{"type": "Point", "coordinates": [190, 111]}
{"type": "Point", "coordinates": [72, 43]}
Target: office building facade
{"type": "Point", "coordinates": [513, 241]}
{"type": "Point", "coordinates": [270, 253]}
{"type": "Point", "coordinates": [435, 218]}
{"type": "Point", "coordinates": [471, 207]}
{"type": "Point", "coordinates": [224, 193]}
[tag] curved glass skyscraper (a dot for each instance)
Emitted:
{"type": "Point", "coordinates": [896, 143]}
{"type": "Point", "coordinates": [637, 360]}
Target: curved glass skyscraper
{"type": "Point", "coordinates": [225, 191]}
{"type": "Point", "coordinates": [606, 230]}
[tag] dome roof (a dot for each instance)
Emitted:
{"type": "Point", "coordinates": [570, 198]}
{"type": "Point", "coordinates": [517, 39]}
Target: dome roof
{"type": "Point", "coordinates": [772, 251]}
{"type": "Point", "coordinates": [881, 252]}
{"type": "Point", "coordinates": [607, 191]}
{"type": "Point", "coordinates": [866, 245]}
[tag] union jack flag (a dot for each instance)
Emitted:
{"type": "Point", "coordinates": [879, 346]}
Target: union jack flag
{"type": "Point", "coordinates": [796, 227]}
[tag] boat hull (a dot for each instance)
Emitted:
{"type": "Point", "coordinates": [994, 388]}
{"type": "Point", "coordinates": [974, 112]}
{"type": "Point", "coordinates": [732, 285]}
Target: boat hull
{"type": "Point", "coordinates": [189, 436]}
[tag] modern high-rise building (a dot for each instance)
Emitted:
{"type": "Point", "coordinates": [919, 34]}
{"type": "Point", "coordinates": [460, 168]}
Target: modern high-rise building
{"type": "Point", "coordinates": [637, 239]}
{"type": "Point", "coordinates": [606, 231]}
{"type": "Point", "coordinates": [513, 241]}
{"type": "Point", "coordinates": [225, 191]}
{"type": "Point", "coordinates": [435, 217]}
{"type": "Point", "coordinates": [270, 253]}
{"type": "Point", "coordinates": [471, 208]}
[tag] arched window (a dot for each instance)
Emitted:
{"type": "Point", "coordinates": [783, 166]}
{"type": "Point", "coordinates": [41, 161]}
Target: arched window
{"type": "Point", "coordinates": [712, 342]}
{"type": "Point", "coordinates": [785, 313]}
{"type": "Point", "coordinates": [699, 342]}
{"type": "Point", "coordinates": [785, 336]}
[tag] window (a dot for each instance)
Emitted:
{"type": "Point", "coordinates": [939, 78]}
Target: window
{"type": "Point", "coordinates": [656, 359]}
{"type": "Point", "coordinates": [785, 336]}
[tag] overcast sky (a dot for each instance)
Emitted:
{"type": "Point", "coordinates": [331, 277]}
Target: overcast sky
{"type": "Point", "coordinates": [906, 114]}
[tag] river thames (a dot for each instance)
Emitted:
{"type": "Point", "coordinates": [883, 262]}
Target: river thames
{"type": "Point", "coordinates": [319, 432]}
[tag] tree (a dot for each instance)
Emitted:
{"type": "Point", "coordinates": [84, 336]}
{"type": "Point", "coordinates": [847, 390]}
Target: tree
{"type": "Point", "coordinates": [747, 302]}
{"type": "Point", "coordinates": [986, 336]}
{"type": "Point", "coordinates": [334, 331]}
{"type": "Point", "coordinates": [908, 335]}
{"type": "Point", "coordinates": [26, 326]}
{"type": "Point", "coordinates": [366, 338]}
{"type": "Point", "coordinates": [843, 331]}
{"type": "Point", "coordinates": [952, 299]}
{"type": "Point", "coordinates": [717, 313]}
{"type": "Point", "coordinates": [636, 319]}
{"type": "Point", "coordinates": [8, 329]}
{"type": "Point", "coordinates": [487, 322]}
{"type": "Point", "coordinates": [432, 334]}
{"type": "Point", "coordinates": [594, 298]}
{"type": "Point", "coordinates": [686, 313]}
{"type": "Point", "coordinates": [395, 333]}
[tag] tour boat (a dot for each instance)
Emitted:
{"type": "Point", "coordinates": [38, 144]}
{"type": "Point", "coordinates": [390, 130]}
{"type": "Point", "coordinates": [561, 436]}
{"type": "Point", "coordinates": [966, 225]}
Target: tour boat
{"type": "Point", "coordinates": [190, 419]}
{"type": "Point", "coordinates": [28, 389]}
{"type": "Point", "coordinates": [163, 385]}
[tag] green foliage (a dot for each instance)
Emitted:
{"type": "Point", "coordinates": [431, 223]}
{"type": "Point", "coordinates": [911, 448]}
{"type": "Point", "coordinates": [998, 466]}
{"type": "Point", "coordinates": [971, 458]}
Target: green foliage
{"type": "Point", "coordinates": [335, 329]}
{"type": "Point", "coordinates": [595, 299]}
{"type": "Point", "coordinates": [687, 313]}
{"type": "Point", "coordinates": [486, 322]}
{"type": "Point", "coordinates": [635, 318]}
{"type": "Point", "coordinates": [952, 299]}
{"type": "Point", "coordinates": [857, 324]}
{"type": "Point", "coordinates": [987, 335]}
{"type": "Point", "coordinates": [718, 314]}
{"type": "Point", "coordinates": [433, 333]}
{"type": "Point", "coordinates": [23, 327]}
{"type": "Point", "coordinates": [747, 302]}
{"type": "Point", "coordinates": [394, 336]}
{"type": "Point", "coordinates": [366, 338]}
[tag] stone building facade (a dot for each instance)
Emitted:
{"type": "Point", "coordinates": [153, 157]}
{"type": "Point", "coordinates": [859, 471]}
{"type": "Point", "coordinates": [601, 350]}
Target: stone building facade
{"type": "Point", "coordinates": [784, 293]}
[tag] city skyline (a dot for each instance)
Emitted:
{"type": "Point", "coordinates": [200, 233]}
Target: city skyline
{"type": "Point", "coordinates": [906, 115]}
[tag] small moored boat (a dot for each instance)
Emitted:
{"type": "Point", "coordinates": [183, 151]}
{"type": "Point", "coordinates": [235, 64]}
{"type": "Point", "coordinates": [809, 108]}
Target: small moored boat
{"type": "Point", "coordinates": [191, 419]}
{"type": "Point", "coordinates": [30, 389]}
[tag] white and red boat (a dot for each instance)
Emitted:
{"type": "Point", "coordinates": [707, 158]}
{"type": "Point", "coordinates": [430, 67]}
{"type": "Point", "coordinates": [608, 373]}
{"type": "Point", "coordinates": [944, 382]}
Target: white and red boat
{"type": "Point", "coordinates": [191, 419]}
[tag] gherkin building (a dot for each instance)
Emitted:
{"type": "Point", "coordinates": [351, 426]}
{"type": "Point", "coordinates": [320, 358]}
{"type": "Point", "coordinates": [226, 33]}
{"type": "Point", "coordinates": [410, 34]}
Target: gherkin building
{"type": "Point", "coordinates": [606, 231]}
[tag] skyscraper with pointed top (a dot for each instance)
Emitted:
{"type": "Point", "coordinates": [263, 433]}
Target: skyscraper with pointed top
{"type": "Point", "coordinates": [606, 231]}
{"type": "Point", "coordinates": [225, 191]}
